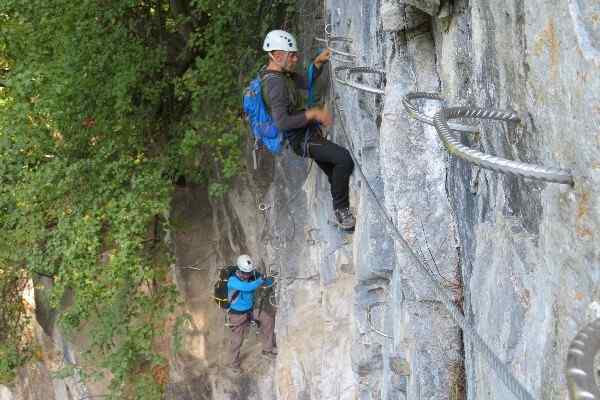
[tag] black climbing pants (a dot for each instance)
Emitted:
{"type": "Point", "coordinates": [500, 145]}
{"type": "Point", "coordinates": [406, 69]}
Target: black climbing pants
{"type": "Point", "coordinates": [334, 160]}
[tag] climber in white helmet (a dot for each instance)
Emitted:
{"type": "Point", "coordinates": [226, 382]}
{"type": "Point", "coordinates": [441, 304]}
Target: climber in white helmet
{"type": "Point", "coordinates": [240, 294]}
{"type": "Point", "coordinates": [281, 86]}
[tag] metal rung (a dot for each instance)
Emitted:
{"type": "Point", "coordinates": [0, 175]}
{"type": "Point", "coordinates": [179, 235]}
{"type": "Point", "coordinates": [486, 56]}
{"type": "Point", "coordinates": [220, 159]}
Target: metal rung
{"type": "Point", "coordinates": [580, 368]}
{"type": "Point", "coordinates": [341, 53]}
{"type": "Point", "coordinates": [416, 114]}
{"type": "Point", "coordinates": [454, 146]}
{"type": "Point", "coordinates": [340, 39]}
{"type": "Point", "coordinates": [358, 70]}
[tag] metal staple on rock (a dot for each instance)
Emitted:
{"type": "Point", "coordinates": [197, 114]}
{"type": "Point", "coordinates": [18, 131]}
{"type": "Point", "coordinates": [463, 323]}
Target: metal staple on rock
{"type": "Point", "coordinates": [331, 39]}
{"type": "Point", "coordinates": [489, 161]}
{"type": "Point", "coordinates": [370, 319]}
{"type": "Point", "coordinates": [581, 374]}
{"type": "Point", "coordinates": [470, 333]}
{"type": "Point", "coordinates": [414, 112]}
{"type": "Point", "coordinates": [339, 52]}
{"type": "Point", "coordinates": [356, 70]}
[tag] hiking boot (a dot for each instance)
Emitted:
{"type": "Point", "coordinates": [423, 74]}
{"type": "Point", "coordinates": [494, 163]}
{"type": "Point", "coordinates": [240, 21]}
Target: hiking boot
{"type": "Point", "coordinates": [345, 219]}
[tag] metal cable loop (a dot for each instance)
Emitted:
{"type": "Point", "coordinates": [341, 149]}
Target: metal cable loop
{"type": "Point", "coordinates": [370, 319]}
{"type": "Point", "coordinates": [471, 334]}
{"type": "Point", "coordinates": [499, 164]}
{"type": "Point", "coordinates": [580, 370]}
{"type": "Point", "coordinates": [414, 112]}
{"type": "Point", "coordinates": [356, 70]}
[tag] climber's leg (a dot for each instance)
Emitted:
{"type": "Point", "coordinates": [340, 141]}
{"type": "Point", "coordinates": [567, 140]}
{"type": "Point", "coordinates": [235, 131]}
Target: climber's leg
{"type": "Point", "coordinates": [325, 151]}
{"type": "Point", "coordinates": [239, 327]}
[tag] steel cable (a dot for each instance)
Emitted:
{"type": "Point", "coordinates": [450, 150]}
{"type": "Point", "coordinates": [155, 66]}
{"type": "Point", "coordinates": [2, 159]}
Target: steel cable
{"type": "Point", "coordinates": [581, 374]}
{"type": "Point", "coordinates": [499, 164]}
{"type": "Point", "coordinates": [471, 334]}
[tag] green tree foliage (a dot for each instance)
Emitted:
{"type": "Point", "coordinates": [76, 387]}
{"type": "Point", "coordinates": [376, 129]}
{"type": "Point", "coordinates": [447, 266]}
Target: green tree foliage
{"type": "Point", "coordinates": [15, 341]}
{"type": "Point", "coordinates": [104, 105]}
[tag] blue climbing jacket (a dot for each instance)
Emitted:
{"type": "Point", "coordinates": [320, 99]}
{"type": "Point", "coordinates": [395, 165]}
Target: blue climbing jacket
{"type": "Point", "coordinates": [244, 300]}
{"type": "Point", "coordinates": [261, 124]}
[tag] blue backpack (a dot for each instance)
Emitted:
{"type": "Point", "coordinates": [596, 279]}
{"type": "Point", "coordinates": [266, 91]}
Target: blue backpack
{"type": "Point", "coordinates": [261, 124]}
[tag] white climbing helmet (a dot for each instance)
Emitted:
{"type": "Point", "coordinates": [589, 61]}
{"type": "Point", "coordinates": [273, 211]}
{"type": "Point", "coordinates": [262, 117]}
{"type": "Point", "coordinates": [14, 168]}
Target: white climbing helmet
{"type": "Point", "coordinates": [279, 40]}
{"type": "Point", "coordinates": [244, 263]}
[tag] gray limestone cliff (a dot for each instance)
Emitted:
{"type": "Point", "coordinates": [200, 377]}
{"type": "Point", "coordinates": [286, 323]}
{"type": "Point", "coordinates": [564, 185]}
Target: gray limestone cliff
{"type": "Point", "coordinates": [356, 317]}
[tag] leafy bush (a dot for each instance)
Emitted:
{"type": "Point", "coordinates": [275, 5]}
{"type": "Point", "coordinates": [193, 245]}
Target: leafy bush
{"type": "Point", "coordinates": [15, 342]}
{"type": "Point", "coordinates": [103, 106]}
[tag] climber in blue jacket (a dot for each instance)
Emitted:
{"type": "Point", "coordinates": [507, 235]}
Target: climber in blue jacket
{"type": "Point", "coordinates": [240, 294]}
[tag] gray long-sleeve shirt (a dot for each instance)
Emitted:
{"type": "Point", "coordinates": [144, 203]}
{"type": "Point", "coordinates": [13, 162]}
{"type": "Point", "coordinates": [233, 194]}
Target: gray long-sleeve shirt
{"type": "Point", "coordinates": [285, 105]}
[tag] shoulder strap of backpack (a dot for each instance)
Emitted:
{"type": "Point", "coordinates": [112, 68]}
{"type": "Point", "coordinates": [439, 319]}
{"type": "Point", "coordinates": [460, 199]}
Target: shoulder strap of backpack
{"type": "Point", "coordinates": [263, 83]}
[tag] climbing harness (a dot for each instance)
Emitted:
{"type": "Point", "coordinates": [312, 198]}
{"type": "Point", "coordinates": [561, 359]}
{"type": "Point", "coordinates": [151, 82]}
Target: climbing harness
{"type": "Point", "coordinates": [454, 146]}
{"type": "Point", "coordinates": [414, 112]}
{"type": "Point", "coordinates": [581, 373]}
{"type": "Point", "coordinates": [370, 319]}
{"type": "Point", "coordinates": [358, 70]}
{"type": "Point", "coordinates": [470, 334]}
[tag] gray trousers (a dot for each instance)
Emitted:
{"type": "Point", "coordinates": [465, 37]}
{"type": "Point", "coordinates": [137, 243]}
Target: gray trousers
{"type": "Point", "coordinates": [239, 324]}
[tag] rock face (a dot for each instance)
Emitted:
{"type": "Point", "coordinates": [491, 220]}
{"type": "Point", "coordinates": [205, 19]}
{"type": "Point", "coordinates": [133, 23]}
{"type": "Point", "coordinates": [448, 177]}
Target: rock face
{"type": "Point", "coordinates": [357, 315]}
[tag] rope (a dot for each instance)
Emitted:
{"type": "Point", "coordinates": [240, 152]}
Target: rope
{"type": "Point", "coordinates": [414, 112]}
{"type": "Point", "coordinates": [488, 161]}
{"type": "Point", "coordinates": [471, 334]}
{"type": "Point", "coordinates": [581, 373]}
{"type": "Point", "coordinates": [356, 70]}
